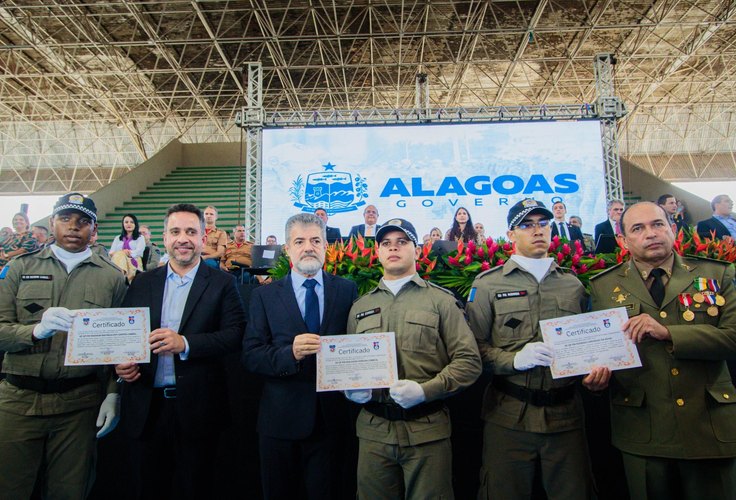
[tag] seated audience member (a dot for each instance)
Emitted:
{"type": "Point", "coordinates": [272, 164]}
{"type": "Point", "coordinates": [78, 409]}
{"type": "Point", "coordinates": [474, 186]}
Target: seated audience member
{"type": "Point", "coordinates": [23, 241]}
{"type": "Point", "coordinates": [462, 227]}
{"type": "Point", "coordinates": [6, 240]}
{"type": "Point", "coordinates": [41, 233]}
{"type": "Point", "coordinates": [668, 202]}
{"type": "Point", "coordinates": [97, 247]}
{"type": "Point", "coordinates": [425, 239]}
{"type": "Point", "coordinates": [214, 247]}
{"type": "Point", "coordinates": [561, 228]}
{"type": "Point", "coordinates": [127, 248]}
{"type": "Point", "coordinates": [333, 233]}
{"type": "Point", "coordinates": [370, 226]}
{"type": "Point", "coordinates": [272, 240]}
{"type": "Point", "coordinates": [722, 224]}
{"type": "Point", "coordinates": [577, 221]}
{"type": "Point", "coordinates": [682, 216]}
{"type": "Point", "coordinates": [237, 254]}
{"type": "Point", "coordinates": [435, 234]}
{"type": "Point", "coordinates": [480, 230]}
{"type": "Point", "coordinates": [152, 253]}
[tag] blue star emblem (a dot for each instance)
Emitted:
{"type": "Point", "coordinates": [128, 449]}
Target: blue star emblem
{"type": "Point", "coordinates": [329, 166]}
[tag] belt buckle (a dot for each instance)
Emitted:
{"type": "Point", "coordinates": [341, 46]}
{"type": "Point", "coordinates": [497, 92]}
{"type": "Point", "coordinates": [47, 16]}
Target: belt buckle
{"type": "Point", "coordinates": [169, 392]}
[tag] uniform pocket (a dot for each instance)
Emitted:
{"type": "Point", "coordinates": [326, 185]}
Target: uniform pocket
{"type": "Point", "coordinates": [630, 418]}
{"type": "Point", "coordinates": [32, 300]}
{"type": "Point", "coordinates": [96, 297]}
{"type": "Point", "coordinates": [513, 320]}
{"type": "Point", "coordinates": [422, 331]}
{"type": "Point", "coordinates": [368, 324]}
{"type": "Point", "coordinates": [722, 411]}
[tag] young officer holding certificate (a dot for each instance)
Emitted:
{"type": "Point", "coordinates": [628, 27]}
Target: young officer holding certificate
{"type": "Point", "coordinates": [532, 420]}
{"type": "Point", "coordinates": [404, 431]}
{"type": "Point", "coordinates": [48, 411]}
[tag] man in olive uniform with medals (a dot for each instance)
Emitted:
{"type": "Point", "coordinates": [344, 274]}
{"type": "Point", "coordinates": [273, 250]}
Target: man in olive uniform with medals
{"type": "Point", "coordinates": [532, 421]}
{"type": "Point", "coordinates": [404, 431]}
{"type": "Point", "coordinates": [674, 419]}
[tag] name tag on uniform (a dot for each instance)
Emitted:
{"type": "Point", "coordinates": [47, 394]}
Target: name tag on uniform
{"type": "Point", "coordinates": [36, 277]}
{"type": "Point", "coordinates": [508, 295]}
{"type": "Point", "coordinates": [365, 314]}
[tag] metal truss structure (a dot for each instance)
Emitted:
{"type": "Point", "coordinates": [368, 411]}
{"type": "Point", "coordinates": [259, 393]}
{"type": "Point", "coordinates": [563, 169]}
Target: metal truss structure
{"type": "Point", "coordinates": [90, 89]}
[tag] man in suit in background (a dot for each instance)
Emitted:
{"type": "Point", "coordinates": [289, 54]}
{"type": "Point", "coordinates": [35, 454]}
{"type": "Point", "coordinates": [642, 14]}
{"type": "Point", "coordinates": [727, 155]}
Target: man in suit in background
{"type": "Point", "coordinates": [370, 228]}
{"type": "Point", "coordinates": [561, 228]}
{"type": "Point", "coordinates": [303, 434]}
{"type": "Point", "coordinates": [333, 233]}
{"type": "Point", "coordinates": [668, 202]}
{"type": "Point", "coordinates": [722, 223]}
{"type": "Point", "coordinates": [609, 228]}
{"type": "Point", "coordinates": [673, 419]}
{"type": "Point", "coordinates": [173, 408]}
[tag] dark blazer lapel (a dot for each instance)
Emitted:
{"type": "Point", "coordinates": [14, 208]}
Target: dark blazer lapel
{"type": "Point", "coordinates": [635, 285]}
{"type": "Point", "coordinates": [157, 296]}
{"type": "Point", "coordinates": [288, 299]}
{"type": "Point", "coordinates": [201, 280]}
{"type": "Point", "coordinates": [329, 282]}
{"type": "Point", "coordinates": [681, 279]}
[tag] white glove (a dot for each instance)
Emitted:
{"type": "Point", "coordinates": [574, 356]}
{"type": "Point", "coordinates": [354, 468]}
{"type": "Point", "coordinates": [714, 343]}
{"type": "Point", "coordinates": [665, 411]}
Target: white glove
{"type": "Point", "coordinates": [53, 319]}
{"type": "Point", "coordinates": [407, 393]}
{"type": "Point", "coordinates": [109, 414]}
{"type": "Point", "coordinates": [359, 396]}
{"type": "Point", "coordinates": [533, 354]}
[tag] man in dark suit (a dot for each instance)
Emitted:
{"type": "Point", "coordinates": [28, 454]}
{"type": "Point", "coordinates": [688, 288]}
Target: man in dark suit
{"type": "Point", "coordinates": [561, 228]}
{"type": "Point", "coordinates": [371, 226]}
{"type": "Point", "coordinates": [174, 407]}
{"type": "Point", "coordinates": [333, 233]}
{"type": "Point", "coordinates": [606, 231]}
{"type": "Point", "coordinates": [721, 222]}
{"type": "Point", "coordinates": [668, 202]}
{"type": "Point", "coordinates": [673, 418]}
{"type": "Point", "coordinates": [303, 434]}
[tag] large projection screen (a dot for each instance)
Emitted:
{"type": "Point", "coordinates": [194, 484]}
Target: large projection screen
{"type": "Point", "coordinates": [424, 173]}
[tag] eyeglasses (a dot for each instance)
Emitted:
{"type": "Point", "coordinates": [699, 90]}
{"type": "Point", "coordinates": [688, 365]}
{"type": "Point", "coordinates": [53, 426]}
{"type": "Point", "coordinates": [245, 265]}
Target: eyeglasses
{"type": "Point", "coordinates": [528, 226]}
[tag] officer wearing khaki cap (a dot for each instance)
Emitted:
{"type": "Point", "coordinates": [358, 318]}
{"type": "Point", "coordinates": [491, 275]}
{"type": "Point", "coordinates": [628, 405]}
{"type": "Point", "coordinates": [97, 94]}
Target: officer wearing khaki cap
{"type": "Point", "coordinates": [404, 431]}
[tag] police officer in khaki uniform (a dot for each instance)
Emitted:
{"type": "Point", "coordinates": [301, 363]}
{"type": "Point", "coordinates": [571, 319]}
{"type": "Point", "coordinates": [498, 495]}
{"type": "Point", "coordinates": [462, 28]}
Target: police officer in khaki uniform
{"type": "Point", "coordinates": [404, 431]}
{"type": "Point", "coordinates": [48, 411]}
{"type": "Point", "coordinates": [674, 418]}
{"type": "Point", "coordinates": [532, 420]}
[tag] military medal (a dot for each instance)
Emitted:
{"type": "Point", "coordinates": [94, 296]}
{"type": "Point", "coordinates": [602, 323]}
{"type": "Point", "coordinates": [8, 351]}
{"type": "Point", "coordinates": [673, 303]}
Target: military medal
{"type": "Point", "coordinates": [686, 300]}
{"type": "Point", "coordinates": [716, 287]}
{"type": "Point", "coordinates": [710, 298]}
{"type": "Point", "coordinates": [701, 284]}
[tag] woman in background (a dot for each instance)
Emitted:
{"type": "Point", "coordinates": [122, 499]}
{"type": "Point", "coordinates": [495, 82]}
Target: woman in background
{"type": "Point", "coordinates": [127, 248]}
{"type": "Point", "coordinates": [22, 240]}
{"type": "Point", "coordinates": [435, 234]}
{"type": "Point", "coordinates": [462, 227]}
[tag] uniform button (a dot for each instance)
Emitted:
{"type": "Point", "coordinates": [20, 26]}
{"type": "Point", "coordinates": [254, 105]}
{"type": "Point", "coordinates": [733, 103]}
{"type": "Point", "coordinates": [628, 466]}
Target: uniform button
{"type": "Point", "coordinates": [726, 396]}
{"type": "Point", "coordinates": [663, 314]}
{"type": "Point", "coordinates": [680, 402]}
{"type": "Point", "coordinates": [675, 372]}
{"type": "Point", "coordinates": [626, 400]}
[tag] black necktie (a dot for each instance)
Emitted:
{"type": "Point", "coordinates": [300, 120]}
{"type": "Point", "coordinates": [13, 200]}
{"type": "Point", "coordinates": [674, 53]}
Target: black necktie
{"type": "Point", "coordinates": [311, 306]}
{"type": "Point", "coordinates": [563, 232]}
{"type": "Point", "coordinates": [657, 288]}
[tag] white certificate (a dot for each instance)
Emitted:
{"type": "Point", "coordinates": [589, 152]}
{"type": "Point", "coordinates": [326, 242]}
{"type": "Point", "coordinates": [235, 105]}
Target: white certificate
{"type": "Point", "coordinates": [360, 361]}
{"type": "Point", "coordinates": [108, 336]}
{"type": "Point", "coordinates": [583, 341]}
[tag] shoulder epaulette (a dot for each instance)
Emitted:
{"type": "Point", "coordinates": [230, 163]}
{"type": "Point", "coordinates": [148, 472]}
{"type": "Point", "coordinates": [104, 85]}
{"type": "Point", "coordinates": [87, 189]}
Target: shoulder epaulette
{"type": "Point", "coordinates": [706, 259]}
{"type": "Point", "coordinates": [607, 271]}
{"type": "Point", "coordinates": [493, 269]}
{"type": "Point", "coordinates": [28, 253]}
{"type": "Point", "coordinates": [435, 285]}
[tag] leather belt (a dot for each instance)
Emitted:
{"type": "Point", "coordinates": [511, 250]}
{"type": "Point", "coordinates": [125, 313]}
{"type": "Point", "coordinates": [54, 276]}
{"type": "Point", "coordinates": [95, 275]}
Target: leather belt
{"type": "Point", "coordinates": [49, 386]}
{"type": "Point", "coordinates": [393, 412]}
{"type": "Point", "coordinates": [166, 392]}
{"type": "Point", "coordinates": [536, 397]}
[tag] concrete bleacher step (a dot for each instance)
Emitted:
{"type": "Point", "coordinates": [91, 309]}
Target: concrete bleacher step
{"type": "Point", "coordinates": [201, 186]}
